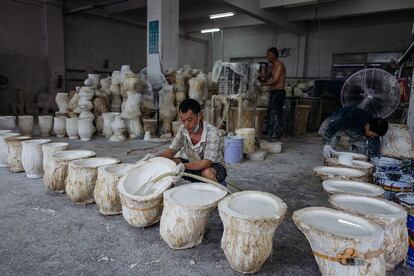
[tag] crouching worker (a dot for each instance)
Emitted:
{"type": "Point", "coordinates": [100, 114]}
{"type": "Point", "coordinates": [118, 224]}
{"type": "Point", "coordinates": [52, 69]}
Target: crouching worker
{"type": "Point", "coordinates": [360, 126]}
{"type": "Point", "coordinates": [200, 142]}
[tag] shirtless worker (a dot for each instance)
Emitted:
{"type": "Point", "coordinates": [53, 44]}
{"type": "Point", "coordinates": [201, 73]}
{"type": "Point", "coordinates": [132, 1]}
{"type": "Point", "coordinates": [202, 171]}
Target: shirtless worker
{"type": "Point", "coordinates": [200, 142]}
{"type": "Point", "coordinates": [277, 95]}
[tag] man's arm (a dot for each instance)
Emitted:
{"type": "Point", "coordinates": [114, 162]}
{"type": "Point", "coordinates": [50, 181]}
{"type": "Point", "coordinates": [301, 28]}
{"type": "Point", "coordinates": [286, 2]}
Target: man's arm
{"type": "Point", "coordinates": [198, 165]}
{"type": "Point", "coordinates": [373, 147]}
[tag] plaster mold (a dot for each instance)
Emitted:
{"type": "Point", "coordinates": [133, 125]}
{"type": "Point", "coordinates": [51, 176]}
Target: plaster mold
{"type": "Point", "coordinates": [45, 125]}
{"type": "Point", "coordinates": [50, 148]}
{"type": "Point", "coordinates": [4, 148]}
{"type": "Point", "coordinates": [186, 209]}
{"type": "Point", "coordinates": [32, 157]}
{"type": "Point", "coordinates": [86, 129]}
{"type": "Point", "coordinates": [119, 130]}
{"type": "Point", "coordinates": [62, 100]}
{"type": "Point", "coordinates": [140, 198]}
{"type": "Point", "coordinates": [106, 189]}
{"type": "Point", "coordinates": [72, 128]}
{"type": "Point", "coordinates": [59, 126]}
{"type": "Point", "coordinates": [250, 219]}
{"type": "Point", "coordinates": [108, 117]}
{"type": "Point", "coordinates": [14, 156]}
{"type": "Point", "coordinates": [56, 170]}
{"type": "Point", "coordinates": [334, 186]}
{"type": "Point", "coordinates": [26, 124]}
{"type": "Point", "coordinates": [8, 122]}
{"type": "Point", "coordinates": [389, 215]}
{"type": "Point", "coordinates": [324, 173]}
{"type": "Point", "coordinates": [82, 175]}
{"type": "Point", "coordinates": [336, 236]}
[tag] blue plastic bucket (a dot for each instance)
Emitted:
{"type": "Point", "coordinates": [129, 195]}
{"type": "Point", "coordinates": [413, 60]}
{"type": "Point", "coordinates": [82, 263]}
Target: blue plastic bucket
{"type": "Point", "coordinates": [407, 200]}
{"type": "Point", "coordinates": [233, 149]}
{"type": "Point", "coordinates": [393, 183]}
{"type": "Point", "coordinates": [410, 226]}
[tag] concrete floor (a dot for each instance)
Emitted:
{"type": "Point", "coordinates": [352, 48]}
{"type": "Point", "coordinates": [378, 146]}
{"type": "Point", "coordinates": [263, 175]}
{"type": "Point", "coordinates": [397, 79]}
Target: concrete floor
{"type": "Point", "coordinates": [46, 234]}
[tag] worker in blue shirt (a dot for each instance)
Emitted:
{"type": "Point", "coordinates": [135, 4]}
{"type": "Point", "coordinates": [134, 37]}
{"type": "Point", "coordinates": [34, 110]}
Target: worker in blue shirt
{"type": "Point", "coordinates": [359, 125]}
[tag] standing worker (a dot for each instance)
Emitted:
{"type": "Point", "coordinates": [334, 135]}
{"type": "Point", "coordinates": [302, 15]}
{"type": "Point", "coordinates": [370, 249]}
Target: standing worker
{"type": "Point", "coordinates": [277, 95]}
{"type": "Point", "coordinates": [363, 129]}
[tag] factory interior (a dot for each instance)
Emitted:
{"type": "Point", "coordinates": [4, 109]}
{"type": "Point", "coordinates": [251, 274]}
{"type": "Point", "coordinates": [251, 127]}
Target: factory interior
{"type": "Point", "coordinates": [207, 137]}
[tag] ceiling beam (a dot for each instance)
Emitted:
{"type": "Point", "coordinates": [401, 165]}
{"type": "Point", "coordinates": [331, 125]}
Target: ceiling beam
{"type": "Point", "coordinates": [348, 8]}
{"type": "Point", "coordinates": [267, 4]}
{"type": "Point", "coordinates": [126, 6]}
{"type": "Point", "coordinates": [252, 8]}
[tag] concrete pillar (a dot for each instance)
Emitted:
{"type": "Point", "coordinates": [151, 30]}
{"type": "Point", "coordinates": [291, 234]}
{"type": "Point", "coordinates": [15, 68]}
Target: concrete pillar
{"type": "Point", "coordinates": [162, 47]}
{"type": "Point", "coordinates": [301, 56]}
{"type": "Point", "coordinates": [54, 44]}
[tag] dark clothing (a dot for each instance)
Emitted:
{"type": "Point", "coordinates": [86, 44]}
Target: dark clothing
{"type": "Point", "coordinates": [352, 121]}
{"type": "Point", "coordinates": [221, 172]}
{"type": "Point", "coordinates": [274, 114]}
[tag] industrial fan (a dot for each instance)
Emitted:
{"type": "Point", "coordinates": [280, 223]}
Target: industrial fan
{"type": "Point", "coordinates": [374, 90]}
{"type": "Point", "coordinates": [155, 82]}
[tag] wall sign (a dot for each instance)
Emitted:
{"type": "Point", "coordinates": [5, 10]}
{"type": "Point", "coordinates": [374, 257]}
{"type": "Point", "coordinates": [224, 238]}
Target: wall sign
{"type": "Point", "coordinates": [153, 37]}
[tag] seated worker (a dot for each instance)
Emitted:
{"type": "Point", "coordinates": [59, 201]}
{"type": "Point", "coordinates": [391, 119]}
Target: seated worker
{"type": "Point", "coordinates": [362, 128]}
{"type": "Point", "coordinates": [200, 142]}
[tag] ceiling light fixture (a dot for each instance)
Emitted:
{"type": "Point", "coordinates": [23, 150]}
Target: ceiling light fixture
{"type": "Point", "coordinates": [221, 15]}
{"type": "Point", "coordinates": [210, 30]}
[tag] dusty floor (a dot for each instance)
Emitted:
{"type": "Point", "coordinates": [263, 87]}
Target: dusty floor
{"type": "Point", "coordinates": [46, 234]}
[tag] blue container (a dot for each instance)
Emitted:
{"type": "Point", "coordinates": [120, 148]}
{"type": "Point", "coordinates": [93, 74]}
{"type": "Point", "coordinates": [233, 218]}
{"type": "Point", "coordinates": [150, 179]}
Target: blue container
{"type": "Point", "coordinates": [410, 226]}
{"type": "Point", "coordinates": [233, 149]}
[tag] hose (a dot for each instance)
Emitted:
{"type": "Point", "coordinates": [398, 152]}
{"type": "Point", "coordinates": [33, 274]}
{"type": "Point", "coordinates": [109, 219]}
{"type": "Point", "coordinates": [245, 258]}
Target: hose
{"type": "Point", "coordinates": [181, 174]}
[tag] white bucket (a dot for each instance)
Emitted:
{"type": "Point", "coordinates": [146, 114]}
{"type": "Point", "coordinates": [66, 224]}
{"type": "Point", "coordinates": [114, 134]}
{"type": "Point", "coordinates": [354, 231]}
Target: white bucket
{"type": "Point", "coordinates": [185, 213]}
{"type": "Point", "coordinates": [389, 215]}
{"type": "Point", "coordinates": [248, 135]}
{"type": "Point", "coordinates": [250, 219]}
{"type": "Point", "coordinates": [333, 186]}
{"type": "Point", "coordinates": [142, 200]}
{"type": "Point", "coordinates": [339, 239]}
{"type": "Point", "coordinates": [345, 159]}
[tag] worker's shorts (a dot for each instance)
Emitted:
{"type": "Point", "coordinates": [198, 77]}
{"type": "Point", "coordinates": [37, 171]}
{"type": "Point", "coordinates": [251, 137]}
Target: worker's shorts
{"type": "Point", "coordinates": [221, 172]}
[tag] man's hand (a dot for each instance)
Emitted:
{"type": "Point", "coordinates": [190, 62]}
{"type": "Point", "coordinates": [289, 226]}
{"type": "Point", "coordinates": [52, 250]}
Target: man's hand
{"type": "Point", "coordinates": [180, 168]}
{"type": "Point", "coordinates": [328, 151]}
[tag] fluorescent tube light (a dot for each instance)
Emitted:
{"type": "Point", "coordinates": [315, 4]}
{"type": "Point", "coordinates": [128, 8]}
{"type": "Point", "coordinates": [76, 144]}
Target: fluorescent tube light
{"type": "Point", "coordinates": [210, 30]}
{"type": "Point", "coordinates": [221, 15]}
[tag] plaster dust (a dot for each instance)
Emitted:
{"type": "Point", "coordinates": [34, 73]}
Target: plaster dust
{"type": "Point", "coordinates": [70, 241]}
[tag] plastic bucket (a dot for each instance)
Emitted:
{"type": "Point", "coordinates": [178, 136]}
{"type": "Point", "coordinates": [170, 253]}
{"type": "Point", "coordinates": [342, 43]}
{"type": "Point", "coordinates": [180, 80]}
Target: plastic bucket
{"type": "Point", "coordinates": [407, 200]}
{"type": "Point", "coordinates": [249, 138]}
{"type": "Point", "coordinates": [233, 149]}
{"type": "Point", "coordinates": [393, 183]}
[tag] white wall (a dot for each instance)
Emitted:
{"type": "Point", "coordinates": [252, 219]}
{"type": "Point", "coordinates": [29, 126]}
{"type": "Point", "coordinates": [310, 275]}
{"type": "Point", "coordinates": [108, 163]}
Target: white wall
{"type": "Point", "coordinates": [194, 53]}
{"type": "Point", "coordinates": [90, 41]}
{"type": "Point", "coordinates": [385, 32]}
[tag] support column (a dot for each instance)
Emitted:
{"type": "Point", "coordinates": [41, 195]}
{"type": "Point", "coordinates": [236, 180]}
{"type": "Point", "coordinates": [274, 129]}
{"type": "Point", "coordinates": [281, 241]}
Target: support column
{"type": "Point", "coordinates": [162, 34]}
{"type": "Point", "coordinates": [54, 42]}
{"type": "Point", "coordinates": [301, 56]}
